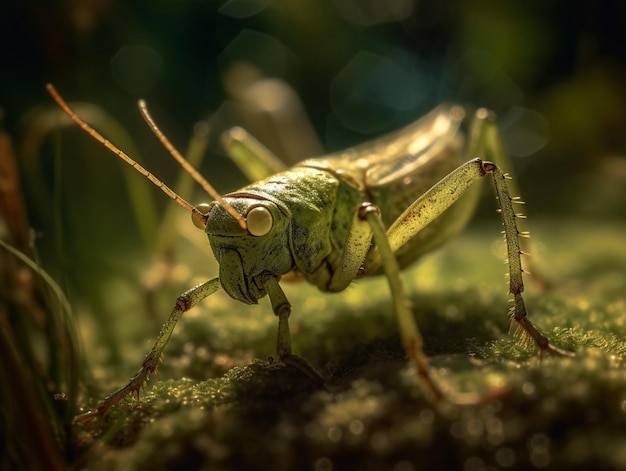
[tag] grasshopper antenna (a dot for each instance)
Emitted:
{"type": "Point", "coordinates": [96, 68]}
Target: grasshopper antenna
{"type": "Point", "coordinates": [206, 186]}
{"type": "Point", "coordinates": [122, 155]}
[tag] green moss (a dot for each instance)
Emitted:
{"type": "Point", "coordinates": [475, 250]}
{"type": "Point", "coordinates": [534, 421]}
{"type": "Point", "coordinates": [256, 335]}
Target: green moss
{"type": "Point", "coordinates": [549, 413]}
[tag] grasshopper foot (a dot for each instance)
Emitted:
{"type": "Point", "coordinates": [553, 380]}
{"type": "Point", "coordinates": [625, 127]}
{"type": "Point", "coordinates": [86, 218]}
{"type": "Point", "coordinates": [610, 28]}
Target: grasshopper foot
{"type": "Point", "coordinates": [528, 330]}
{"type": "Point", "coordinates": [133, 387]}
{"type": "Point", "coordinates": [300, 364]}
{"type": "Point", "coordinates": [135, 384]}
{"type": "Point", "coordinates": [555, 351]}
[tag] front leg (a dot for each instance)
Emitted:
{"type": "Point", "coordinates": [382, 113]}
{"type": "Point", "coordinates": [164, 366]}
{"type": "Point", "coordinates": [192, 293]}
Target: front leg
{"type": "Point", "coordinates": [282, 309]}
{"type": "Point", "coordinates": [409, 332]}
{"type": "Point", "coordinates": [150, 364]}
{"type": "Point", "coordinates": [254, 159]}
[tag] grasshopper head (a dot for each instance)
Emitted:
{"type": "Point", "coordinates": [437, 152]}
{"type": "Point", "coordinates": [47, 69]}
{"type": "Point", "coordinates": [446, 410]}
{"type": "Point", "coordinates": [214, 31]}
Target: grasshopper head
{"type": "Point", "coordinates": [247, 257]}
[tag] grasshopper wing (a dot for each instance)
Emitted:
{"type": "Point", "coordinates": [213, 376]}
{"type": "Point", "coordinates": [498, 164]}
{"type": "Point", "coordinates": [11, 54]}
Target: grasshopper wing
{"type": "Point", "coordinates": [399, 154]}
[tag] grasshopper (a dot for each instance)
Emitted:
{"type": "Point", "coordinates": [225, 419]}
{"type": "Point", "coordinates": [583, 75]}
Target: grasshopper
{"type": "Point", "coordinates": [370, 209]}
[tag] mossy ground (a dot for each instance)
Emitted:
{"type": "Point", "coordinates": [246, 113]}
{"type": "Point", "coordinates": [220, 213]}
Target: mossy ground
{"type": "Point", "coordinates": [547, 413]}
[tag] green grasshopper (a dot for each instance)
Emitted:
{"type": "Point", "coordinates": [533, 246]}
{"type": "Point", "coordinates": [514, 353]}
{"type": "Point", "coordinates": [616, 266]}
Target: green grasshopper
{"type": "Point", "coordinates": [373, 208]}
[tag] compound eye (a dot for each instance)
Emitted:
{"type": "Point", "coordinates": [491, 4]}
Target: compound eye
{"type": "Point", "coordinates": [204, 208]}
{"type": "Point", "coordinates": [259, 221]}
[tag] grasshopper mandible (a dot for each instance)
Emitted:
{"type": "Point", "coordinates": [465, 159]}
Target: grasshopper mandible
{"type": "Point", "coordinates": [373, 208]}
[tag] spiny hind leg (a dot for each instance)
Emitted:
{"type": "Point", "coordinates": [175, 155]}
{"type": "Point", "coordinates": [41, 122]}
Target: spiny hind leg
{"type": "Point", "coordinates": [514, 252]}
{"type": "Point", "coordinates": [485, 141]}
{"type": "Point", "coordinates": [439, 198]}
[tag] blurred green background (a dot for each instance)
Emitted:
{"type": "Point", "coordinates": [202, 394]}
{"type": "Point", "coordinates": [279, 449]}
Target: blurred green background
{"type": "Point", "coordinates": [349, 70]}
{"type": "Point", "coordinates": [553, 71]}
